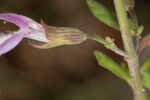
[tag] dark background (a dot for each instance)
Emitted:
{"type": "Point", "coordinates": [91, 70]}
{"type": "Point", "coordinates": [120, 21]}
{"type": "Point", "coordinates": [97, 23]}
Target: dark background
{"type": "Point", "coordinates": [68, 72]}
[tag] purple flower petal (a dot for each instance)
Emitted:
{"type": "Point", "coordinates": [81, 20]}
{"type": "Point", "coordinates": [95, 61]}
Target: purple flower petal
{"type": "Point", "coordinates": [27, 24]}
{"type": "Point", "coordinates": [32, 29]}
{"type": "Point", "coordinates": [19, 20]}
{"type": "Point", "coordinates": [10, 43]}
{"type": "Point", "coordinates": [27, 28]}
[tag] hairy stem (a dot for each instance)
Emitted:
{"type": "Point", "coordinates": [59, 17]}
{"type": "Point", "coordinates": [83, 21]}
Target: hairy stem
{"type": "Point", "coordinates": [132, 59]}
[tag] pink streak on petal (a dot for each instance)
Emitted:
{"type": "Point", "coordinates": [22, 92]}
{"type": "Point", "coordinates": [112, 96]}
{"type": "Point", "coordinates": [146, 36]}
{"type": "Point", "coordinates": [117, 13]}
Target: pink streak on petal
{"type": "Point", "coordinates": [19, 20]}
{"type": "Point", "coordinates": [10, 43]}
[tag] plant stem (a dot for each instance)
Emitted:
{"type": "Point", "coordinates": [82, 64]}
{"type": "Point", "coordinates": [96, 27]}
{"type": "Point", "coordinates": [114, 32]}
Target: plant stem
{"type": "Point", "coordinates": [132, 59]}
{"type": "Point", "coordinates": [108, 45]}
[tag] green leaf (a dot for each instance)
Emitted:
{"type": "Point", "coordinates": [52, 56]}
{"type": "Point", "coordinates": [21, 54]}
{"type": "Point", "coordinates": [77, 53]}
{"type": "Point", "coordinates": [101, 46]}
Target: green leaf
{"type": "Point", "coordinates": [103, 14]}
{"type": "Point", "coordinates": [146, 65]}
{"type": "Point", "coordinates": [140, 30]}
{"type": "Point", "coordinates": [145, 71]}
{"type": "Point", "coordinates": [146, 76]}
{"type": "Point", "coordinates": [112, 66]}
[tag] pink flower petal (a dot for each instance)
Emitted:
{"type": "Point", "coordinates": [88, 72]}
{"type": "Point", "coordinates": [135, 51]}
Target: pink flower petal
{"type": "Point", "coordinates": [27, 28]}
{"type": "Point", "coordinates": [17, 19]}
{"type": "Point", "coordinates": [10, 43]}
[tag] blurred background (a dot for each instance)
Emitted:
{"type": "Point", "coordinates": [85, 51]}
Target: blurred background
{"type": "Point", "coordinates": [68, 72]}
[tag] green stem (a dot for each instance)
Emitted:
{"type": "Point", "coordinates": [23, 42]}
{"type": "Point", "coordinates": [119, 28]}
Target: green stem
{"type": "Point", "coordinates": [132, 59]}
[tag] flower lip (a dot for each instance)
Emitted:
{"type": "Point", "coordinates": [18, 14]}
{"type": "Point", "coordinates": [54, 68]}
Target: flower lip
{"type": "Point", "coordinates": [19, 20]}
{"type": "Point", "coordinates": [8, 42]}
{"type": "Point", "coordinates": [27, 28]}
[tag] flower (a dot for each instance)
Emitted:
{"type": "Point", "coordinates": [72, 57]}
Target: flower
{"type": "Point", "coordinates": [28, 28]}
{"type": "Point", "coordinates": [50, 36]}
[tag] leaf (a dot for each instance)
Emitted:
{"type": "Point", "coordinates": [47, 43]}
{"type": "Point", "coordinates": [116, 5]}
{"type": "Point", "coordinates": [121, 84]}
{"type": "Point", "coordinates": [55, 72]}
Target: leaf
{"type": "Point", "coordinates": [103, 14]}
{"type": "Point", "coordinates": [145, 71]}
{"type": "Point", "coordinates": [140, 29]}
{"type": "Point", "coordinates": [112, 66]}
{"type": "Point", "coordinates": [146, 76]}
{"type": "Point", "coordinates": [146, 65]}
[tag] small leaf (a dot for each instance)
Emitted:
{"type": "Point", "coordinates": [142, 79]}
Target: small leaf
{"type": "Point", "coordinates": [112, 66]}
{"type": "Point", "coordinates": [103, 14]}
{"type": "Point", "coordinates": [135, 30]}
{"type": "Point", "coordinates": [140, 29]}
{"type": "Point", "coordinates": [145, 71]}
{"type": "Point", "coordinates": [146, 76]}
{"type": "Point", "coordinates": [132, 26]}
{"type": "Point", "coordinates": [146, 65]}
